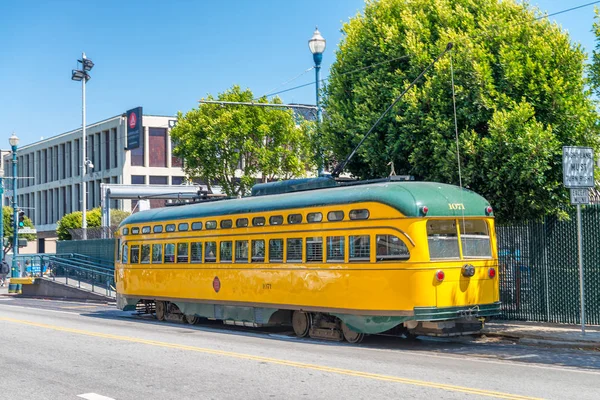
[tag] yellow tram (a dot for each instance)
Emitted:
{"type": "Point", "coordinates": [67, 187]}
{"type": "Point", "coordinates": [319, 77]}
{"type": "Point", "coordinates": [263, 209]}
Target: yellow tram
{"type": "Point", "coordinates": [332, 260]}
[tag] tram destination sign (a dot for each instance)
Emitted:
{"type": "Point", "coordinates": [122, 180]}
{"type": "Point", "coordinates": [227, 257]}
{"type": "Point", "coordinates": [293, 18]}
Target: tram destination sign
{"type": "Point", "coordinates": [578, 167]}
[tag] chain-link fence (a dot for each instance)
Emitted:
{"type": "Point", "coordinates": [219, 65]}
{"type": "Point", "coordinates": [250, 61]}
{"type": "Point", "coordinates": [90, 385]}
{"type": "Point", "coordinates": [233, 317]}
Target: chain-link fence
{"type": "Point", "coordinates": [539, 272]}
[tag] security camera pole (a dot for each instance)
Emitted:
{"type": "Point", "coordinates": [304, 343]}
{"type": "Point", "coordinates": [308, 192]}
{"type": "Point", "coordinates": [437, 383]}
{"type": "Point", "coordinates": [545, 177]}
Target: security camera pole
{"type": "Point", "coordinates": [83, 76]}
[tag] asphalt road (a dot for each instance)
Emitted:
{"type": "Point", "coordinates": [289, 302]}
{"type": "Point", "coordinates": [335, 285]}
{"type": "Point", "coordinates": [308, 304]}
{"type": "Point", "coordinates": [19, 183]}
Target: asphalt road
{"type": "Point", "coordinates": [66, 350]}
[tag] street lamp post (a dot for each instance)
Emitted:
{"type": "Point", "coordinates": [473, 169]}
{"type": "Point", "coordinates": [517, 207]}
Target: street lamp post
{"type": "Point", "coordinates": [316, 44]}
{"type": "Point", "coordinates": [83, 76]}
{"type": "Point", "coordinates": [14, 141]}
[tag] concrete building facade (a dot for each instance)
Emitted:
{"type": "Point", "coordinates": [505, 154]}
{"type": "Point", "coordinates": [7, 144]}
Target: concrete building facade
{"type": "Point", "coordinates": [50, 170]}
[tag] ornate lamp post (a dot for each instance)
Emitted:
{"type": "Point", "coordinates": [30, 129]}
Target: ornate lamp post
{"type": "Point", "coordinates": [316, 44]}
{"type": "Point", "coordinates": [14, 141]}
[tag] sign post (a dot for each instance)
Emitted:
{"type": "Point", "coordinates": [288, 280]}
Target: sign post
{"type": "Point", "coordinates": [578, 176]}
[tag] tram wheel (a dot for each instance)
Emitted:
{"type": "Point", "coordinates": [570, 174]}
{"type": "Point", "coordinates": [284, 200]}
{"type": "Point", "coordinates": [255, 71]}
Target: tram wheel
{"type": "Point", "coordinates": [351, 336]}
{"type": "Point", "coordinates": [301, 323]}
{"type": "Point", "coordinates": [161, 310]}
{"type": "Point", "coordinates": [191, 319]}
{"type": "Point", "coordinates": [410, 336]}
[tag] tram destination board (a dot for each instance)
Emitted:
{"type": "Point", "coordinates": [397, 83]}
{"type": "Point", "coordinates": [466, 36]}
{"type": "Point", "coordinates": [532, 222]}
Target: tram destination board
{"type": "Point", "coordinates": [578, 167]}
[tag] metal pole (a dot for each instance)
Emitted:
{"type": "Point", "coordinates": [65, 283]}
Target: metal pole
{"type": "Point", "coordinates": [580, 257]}
{"type": "Point", "coordinates": [318, 57]}
{"type": "Point", "coordinates": [83, 151]}
{"type": "Point", "coordinates": [13, 288]}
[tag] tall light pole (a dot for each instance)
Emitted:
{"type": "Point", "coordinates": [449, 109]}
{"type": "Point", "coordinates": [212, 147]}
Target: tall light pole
{"type": "Point", "coordinates": [14, 141]}
{"type": "Point", "coordinates": [83, 76]}
{"type": "Point", "coordinates": [316, 44]}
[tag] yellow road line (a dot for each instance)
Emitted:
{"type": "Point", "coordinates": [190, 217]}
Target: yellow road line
{"type": "Point", "coordinates": [73, 307]}
{"type": "Point", "coordinates": [322, 368]}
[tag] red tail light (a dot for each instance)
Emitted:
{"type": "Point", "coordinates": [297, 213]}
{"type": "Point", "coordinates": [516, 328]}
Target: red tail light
{"type": "Point", "coordinates": [492, 273]}
{"type": "Point", "coordinates": [489, 210]}
{"type": "Point", "coordinates": [439, 275]}
{"type": "Point", "coordinates": [424, 210]}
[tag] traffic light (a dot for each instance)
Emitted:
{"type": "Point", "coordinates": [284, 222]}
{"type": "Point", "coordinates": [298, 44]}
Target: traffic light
{"type": "Point", "coordinates": [21, 218]}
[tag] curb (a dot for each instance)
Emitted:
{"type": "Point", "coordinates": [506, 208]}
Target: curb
{"type": "Point", "coordinates": [536, 340]}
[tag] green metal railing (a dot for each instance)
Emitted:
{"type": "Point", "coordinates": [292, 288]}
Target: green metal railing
{"type": "Point", "coordinates": [539, 273]}
{"type": "Point", "coordinates": [73, 269]}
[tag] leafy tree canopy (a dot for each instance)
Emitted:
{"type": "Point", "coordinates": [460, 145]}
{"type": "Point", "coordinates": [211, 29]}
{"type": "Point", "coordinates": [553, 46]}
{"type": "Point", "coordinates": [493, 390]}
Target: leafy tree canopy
{"type": "Point", "coordinates": [261, 142]}
{"type": "Point", "coordinates": [93, 219]}
{"type": "Point", "coordinates": [520, 96]}
{"type": "Point", "coordinates": [7, 212]}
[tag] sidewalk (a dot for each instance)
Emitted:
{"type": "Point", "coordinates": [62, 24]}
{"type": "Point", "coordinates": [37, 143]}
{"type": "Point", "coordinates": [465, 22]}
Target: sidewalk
{"type": "Point", "coordinates": [546, 334]}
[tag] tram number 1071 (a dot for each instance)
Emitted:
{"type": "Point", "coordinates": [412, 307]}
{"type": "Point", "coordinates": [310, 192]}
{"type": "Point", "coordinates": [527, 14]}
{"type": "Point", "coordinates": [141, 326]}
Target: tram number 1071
{"type": "Point", "coordinates": [456, 206]}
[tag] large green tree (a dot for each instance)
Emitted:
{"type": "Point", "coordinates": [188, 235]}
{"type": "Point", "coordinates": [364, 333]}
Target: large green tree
{"type": "Point", "coordinates": [93, 219]}
{"type": "Point", "coordinates": [233, 145]}
{"type": "Point", "coordinates": [520, 96]}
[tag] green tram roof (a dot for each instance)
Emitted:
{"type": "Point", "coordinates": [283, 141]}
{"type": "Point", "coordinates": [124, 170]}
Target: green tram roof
{"type": "Point", "coordinates": [442, 200]}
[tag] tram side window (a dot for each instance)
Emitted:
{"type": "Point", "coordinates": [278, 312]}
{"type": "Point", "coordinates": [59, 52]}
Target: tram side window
{"type": "Point", "coordinates": [314, 217]}
{"type": "Point", "coordinates": [335, 248]}
{"type": "Point", "coordinates": [197, 226]}
{"type": "Point", "coordinates": [210, 252]}
{"type": "Point", "coordinates": [475, 239]}
{"type": "Point", "coordinates": [125, 254]}
{"type": "Point", "coordinates": [211, 224]}
{"type": "Point", "coordinates": [360, 248]}
{"type": "Point", "coordinates": [145, 254]}
{"type": "Point", "coordinates": [335, 215]}
{"type": "Point", "coordinates": [258, 221]}
{"type": "Point", "coordinates": [182, 252]}
{"type": "Point", "coordinates": [276, 250]}
{"type": "Point", "coordinates": [118, 257]}
{"type": "Point", "coordinates": [226, 252]}
{"type": "Point", "coordinates": [390, 247]}
{"type": "Point", "coordinates": [442, 239]}
{"type": "Point", "coordinates": [183, 227]}
{"type": "Point", "coordinates": [158, 229]}
{"type": "Point", "coordinates": [294, 218]}
{"type": "Point", "coordinates": [241, 251]}
{"type": "Point", "coordinates": [157, 253]}
{"type": "Point", "coordinates": [359, 214]}
{"type": "Point", "coordinates": [196, 252]}
{"type": "Point", "coordinates": [294, 250]}
{"type": "Point", "coordinates": [170, 253]}
{"type": "Point", "coordinates": [145, 229]}
{"type": "Point", "coordinates": [258, 250]}
{"type": "Point", "coordinates": [241, 222]}
{"type": "Point", "coordinates": [135, 254]}
{"type": "Point", "coordinates": [135, 231]}
{"type": "Point", "coordinates": [314, 249]}
{"type": "Point", "coordinates": [170, 228]}
{"type": "Point", "coordinates": [276, 220]}
{"type": "Point", "coordinates": [226, 223]}
{"type": "Point", "coordinates": [125, 231]}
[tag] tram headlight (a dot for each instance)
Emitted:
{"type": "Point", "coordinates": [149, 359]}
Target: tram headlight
{"type": "Point", "coordinates": [439, 275]}
{"type": "Point", "coordinates": [492, 273]}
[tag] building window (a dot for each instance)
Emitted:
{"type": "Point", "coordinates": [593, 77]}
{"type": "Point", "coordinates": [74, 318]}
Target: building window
{"type": "Point", "coordinates": [106, 135]}
{"type": "Point", "coordinates": [158, 145]}
{"type": "Point", "coordinates": [114, 146]}
{"type": "Point", "coordinates": [360, 248]}
{"type": "Point", "coordinates": [175, 161]}
{"type": "Point", "coordinates": [137, 154]}
{"type": "Point", "coordinates": [77, 157]}
{"type": "Point", "coordinates": [241, 251]}
{"type": "Point", "coordinates": [68, 158]}
{"type": "Point", "coordinates": [159, 180]}
{"type": "Point", "coordinates": [177, 180]}
{"type": "Point", "coordinates": [335, 248]}
{"type": "Point", "coordinates": [138, 179]}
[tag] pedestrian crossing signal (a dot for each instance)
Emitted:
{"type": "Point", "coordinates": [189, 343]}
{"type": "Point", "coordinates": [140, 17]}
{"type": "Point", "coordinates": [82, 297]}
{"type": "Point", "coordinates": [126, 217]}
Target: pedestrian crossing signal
{"type": "Point", "coordinates": [21, 218]}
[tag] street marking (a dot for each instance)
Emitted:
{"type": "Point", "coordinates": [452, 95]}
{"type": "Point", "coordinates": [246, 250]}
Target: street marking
{"type": "Point", "coordinates": [73, 307]}
{"type": "Point", "coordinates": [315, 367]}
{"type": "Point", "coordinates": [5, 298]}
{"type": "Point", "coordinates": [523, 356]}
{"type": "Point", "coordinates": [94, 396]}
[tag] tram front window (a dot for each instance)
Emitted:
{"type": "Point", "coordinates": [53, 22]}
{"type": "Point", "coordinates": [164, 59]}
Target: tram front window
{"type": "Point", "coordinates": [475, 239]}
{"type": "Point", "coordinates": [442, 238]}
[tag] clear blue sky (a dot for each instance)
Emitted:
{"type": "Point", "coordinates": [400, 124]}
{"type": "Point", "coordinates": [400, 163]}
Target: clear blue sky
{"type": "Point", "coordinates": [165, 56]}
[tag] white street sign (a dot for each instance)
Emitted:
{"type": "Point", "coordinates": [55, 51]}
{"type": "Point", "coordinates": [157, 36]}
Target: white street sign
{"type": "Point", "coordinates": [578, 167]}
{"type": "Point", "coordinates": [580, 196]}
{"type": "Point", "coordinates": [27, 230]}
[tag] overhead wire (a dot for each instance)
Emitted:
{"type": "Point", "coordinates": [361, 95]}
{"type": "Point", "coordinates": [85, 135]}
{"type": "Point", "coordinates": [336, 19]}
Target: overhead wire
{"type": "Point", "coordinates": [567, 10]}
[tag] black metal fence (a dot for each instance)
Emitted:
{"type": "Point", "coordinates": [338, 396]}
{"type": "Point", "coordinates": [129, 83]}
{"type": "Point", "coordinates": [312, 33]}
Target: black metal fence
{"type": "Point", "coordinates": [539, 272]}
